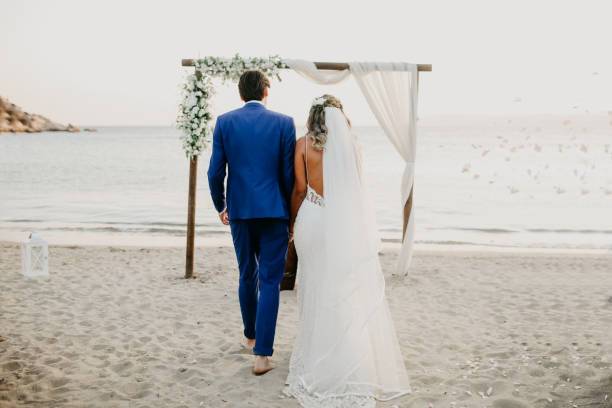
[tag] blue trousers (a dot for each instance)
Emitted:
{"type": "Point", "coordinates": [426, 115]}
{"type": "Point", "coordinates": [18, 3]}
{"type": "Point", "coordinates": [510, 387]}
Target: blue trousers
{"type": "Point", "coordinates": [261, 249]}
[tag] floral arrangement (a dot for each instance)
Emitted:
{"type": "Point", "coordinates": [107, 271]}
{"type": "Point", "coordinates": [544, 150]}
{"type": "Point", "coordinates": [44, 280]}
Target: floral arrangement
{"type": "Point", "coordinates": [195, 117]}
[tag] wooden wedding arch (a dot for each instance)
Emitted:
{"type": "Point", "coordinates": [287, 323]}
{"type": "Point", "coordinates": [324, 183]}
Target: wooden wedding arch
{"type": "Point", "coordinates": [193, 172]}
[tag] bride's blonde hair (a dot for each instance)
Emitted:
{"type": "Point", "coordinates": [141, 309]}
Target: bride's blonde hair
{"type": "Point", "coordinates": [317, 131]}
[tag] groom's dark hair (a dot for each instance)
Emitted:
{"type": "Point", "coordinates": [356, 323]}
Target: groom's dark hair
{"type": "Point", "coordinates": [252, 85]}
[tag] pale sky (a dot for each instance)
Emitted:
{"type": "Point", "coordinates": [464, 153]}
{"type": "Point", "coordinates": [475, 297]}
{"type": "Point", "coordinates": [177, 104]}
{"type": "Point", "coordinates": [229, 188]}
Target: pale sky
{"type": "Point", "coordinates": [117, 62]}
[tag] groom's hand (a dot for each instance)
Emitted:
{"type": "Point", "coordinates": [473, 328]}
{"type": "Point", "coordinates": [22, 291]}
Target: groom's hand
{"type": "Point", "coordinates": [224, 217]}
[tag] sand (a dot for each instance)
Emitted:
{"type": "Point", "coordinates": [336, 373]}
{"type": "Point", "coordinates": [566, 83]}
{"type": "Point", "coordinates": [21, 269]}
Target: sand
{"type": "Point", "coordinates": [119, 327]}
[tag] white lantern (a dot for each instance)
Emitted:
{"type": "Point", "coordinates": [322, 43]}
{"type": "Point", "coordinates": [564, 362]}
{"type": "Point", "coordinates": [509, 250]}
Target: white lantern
{"type": "Point", "coordinates": [35, 257]}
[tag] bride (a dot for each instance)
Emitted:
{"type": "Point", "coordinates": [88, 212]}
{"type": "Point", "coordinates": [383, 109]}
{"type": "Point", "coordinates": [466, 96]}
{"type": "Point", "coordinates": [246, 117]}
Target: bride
{"type": "Point", "coordinates": [346, 352]}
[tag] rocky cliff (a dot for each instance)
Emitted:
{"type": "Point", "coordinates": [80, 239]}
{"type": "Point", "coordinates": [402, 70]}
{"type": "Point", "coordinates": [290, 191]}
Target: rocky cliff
{"type": "Point", "coordinates": [13, 119]}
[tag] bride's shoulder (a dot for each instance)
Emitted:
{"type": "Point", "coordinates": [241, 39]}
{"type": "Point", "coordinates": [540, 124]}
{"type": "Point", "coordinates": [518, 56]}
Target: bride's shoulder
{"type": "Point", "coordinates": [300, 143]}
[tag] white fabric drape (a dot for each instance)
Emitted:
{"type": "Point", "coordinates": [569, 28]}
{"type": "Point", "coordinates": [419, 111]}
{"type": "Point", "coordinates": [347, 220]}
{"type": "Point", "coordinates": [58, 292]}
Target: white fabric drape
{"type": "Point", "coordinates": [308, 70]}
{"type": "Point", "coordinates": [392, 94]}
{"type": "Point", "coordinates": [391, 90]}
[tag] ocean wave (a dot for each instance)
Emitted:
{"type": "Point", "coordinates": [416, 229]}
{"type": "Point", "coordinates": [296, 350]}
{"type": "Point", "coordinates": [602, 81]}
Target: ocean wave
{"type": "Point", "coordinates": [532, 230]}
{"type": "Point", "coordinates": [202, 229]}
{"type": "Point", "coordinates": [570, 231]}
{"type": "Point", "coordinates": [152, 223]}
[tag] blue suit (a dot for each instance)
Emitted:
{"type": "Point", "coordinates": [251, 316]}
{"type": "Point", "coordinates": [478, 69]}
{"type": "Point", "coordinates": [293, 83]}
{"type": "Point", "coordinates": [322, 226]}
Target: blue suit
{"type": "Point", "coordinates": [256, 146]}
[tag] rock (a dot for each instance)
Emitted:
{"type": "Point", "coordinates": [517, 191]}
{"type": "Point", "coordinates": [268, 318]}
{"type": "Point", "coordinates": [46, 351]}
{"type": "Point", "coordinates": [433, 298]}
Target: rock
{"type": "Point", "coordinates": [13, 119]}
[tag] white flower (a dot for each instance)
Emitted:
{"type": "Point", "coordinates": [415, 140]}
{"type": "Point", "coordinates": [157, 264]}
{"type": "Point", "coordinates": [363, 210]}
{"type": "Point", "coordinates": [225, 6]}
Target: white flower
{"type": "Point", "coordinates": [191, 101]}
{"type": "Point", "coordinates": [194, 116]}
{"type": "Point", "coordinates": [319, 101]}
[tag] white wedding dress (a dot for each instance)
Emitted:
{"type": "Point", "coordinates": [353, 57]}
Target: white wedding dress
{"type": "Point", "coordinates": [346, 353]}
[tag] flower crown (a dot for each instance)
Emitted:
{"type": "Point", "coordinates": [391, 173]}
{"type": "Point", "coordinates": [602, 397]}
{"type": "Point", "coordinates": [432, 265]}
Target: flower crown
{"type": "Point", "coordinates": [319, 102]}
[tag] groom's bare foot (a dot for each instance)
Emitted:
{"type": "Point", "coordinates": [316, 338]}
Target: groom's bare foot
{"type": "Point", "coordinates": [262, 365]}
{"type": "Point", "coordinates": [249, 343]}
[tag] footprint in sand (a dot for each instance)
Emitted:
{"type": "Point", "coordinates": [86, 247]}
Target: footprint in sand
{"type": "Point", "coordinates": [501, 354]}
{"type": "Point", "coordinates": [185, 373]}
{"type": "Point", "coordinates": [104, 347]}
{"type": "Point", "coordinates": [37, 387]}
{"type": "Point", "coordinates": [136, 390]}
{"type": "Point", "coordinates": [98, 361]}
{"type": "Point", "coordinates": [144, 339]}
{"type": "Point", "coordinates": [58, 382]}
{"type": "Point", "coordinates": [70, 355]}
{"type": "Point", "coordinates": [537, 372]}
{"type": "Point", "coordinates": [508, 403]}
{"type": "Point", "coordinates": [12, 366]}
{"type": "Point", "coordinates": [52, 360]}
{"type": "Point", "coordinates": [211, 360]}
{"type": "Point", "coordinates": [122, 367]}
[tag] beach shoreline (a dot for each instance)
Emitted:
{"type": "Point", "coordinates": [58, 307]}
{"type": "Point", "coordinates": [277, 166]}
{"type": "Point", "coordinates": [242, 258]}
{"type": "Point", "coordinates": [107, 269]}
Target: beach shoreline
{"type": "Point", "coordinates": [223, 239]}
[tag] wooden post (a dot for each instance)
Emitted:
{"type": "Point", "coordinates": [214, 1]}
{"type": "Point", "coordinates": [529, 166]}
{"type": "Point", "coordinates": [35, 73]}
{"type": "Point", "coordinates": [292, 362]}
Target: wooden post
{"type": "Point", "coordinates": [408, 204]}
{"type": "Point", "coordinates": [407, 213]}
{"type": "Point", "coordinates": [191, 206]}
{"type": "Point", "coordinates": [333, 66]}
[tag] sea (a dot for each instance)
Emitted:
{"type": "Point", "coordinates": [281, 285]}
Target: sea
{"type": "Point", "coordinates": [513, 182]}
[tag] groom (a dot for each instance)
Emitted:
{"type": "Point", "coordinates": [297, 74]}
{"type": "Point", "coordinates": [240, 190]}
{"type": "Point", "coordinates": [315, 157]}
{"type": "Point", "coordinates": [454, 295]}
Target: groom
{"type": "Point", "coordinates": [257, 147]}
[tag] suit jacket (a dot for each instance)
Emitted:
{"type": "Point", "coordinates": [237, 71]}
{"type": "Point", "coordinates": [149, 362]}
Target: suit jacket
{"type": "Point", "coordinates": [256, 146]}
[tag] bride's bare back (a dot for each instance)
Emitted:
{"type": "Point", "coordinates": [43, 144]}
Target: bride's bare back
{"type": "Point", "coordinates": [308, 165]}
{"type": "Point", "coordinates": [311, 160]}
{"type": "Point", "coordinates": [308, 160]}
